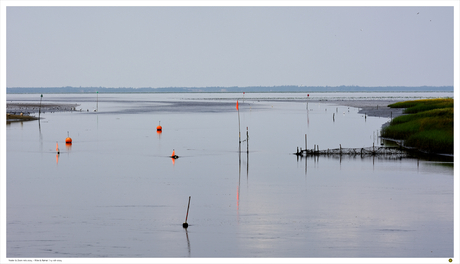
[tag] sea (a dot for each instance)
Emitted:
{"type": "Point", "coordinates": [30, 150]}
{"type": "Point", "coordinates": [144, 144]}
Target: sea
{"type": "Point", "coordinates": [115, 193]}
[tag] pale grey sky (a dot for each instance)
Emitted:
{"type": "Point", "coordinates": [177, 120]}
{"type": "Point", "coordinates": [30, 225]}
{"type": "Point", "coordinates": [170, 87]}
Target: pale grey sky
{"type": "Point", "coordinates": [229, 46]}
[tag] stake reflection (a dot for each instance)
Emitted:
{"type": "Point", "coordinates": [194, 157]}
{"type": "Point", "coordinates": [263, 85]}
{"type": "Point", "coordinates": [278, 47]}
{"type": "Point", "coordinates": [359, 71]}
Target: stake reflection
{"type": "Point", "coordinates": [188, 242]}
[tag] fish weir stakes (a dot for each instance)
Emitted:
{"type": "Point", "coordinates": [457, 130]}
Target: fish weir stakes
{"type": "Point", "coordinates": [388, 152]}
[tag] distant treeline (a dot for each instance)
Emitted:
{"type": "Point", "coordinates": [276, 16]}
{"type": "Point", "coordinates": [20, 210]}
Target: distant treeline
{"type": "Point", "coordinates": [233, 89]}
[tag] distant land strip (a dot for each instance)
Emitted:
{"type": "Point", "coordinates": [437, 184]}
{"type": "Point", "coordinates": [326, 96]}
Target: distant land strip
{"type": "Point", "coordinates": [232, 89]}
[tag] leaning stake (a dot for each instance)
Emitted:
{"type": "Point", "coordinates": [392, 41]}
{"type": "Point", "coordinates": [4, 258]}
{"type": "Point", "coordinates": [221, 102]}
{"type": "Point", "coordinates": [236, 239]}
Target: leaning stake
{"type": "Point", "coordinates": [185, 225]}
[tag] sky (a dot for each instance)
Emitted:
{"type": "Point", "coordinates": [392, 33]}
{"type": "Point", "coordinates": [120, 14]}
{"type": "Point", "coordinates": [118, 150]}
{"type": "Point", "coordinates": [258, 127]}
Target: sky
{"type": "Point", "coordinates": [229, 46]}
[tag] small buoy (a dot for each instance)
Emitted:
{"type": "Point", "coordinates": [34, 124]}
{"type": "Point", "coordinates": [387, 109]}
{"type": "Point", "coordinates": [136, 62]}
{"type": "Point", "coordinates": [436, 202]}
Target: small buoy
{"type": "Point", "coordinates": [184, 225]}
{"type": "Point", "coordinates": [173, 155]}
{"type": "Point", "coordinates": [159, 128]}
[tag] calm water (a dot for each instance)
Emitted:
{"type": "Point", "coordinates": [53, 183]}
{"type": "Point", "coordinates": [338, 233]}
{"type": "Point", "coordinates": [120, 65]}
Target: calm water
{"type": "Point", "coordinates": [115, 192]}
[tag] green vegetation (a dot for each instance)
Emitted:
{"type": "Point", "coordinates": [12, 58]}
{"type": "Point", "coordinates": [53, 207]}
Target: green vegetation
{"type": "Point", "coordinates": [12, 118]}
{"type": "Point", "coordinates": [429, 125]}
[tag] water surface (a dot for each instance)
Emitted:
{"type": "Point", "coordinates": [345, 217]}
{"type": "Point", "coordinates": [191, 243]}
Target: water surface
{"type": "Point", "coordinates": [116, 193]}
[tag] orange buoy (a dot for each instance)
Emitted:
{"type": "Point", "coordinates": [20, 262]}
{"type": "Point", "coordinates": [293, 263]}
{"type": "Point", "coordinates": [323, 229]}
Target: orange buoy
{"type": "Point", "coordinates": [159, 128]}
{"type": "Point", "coordinates": [68, 140]}
{"type": "Point", "coordinates": [173, 155]}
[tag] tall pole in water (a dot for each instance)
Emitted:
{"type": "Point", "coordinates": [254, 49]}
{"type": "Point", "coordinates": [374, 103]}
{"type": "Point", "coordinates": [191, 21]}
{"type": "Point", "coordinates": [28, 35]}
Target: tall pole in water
{"type": "Point", "coordinates": [97, 101]}
{"type": "Point", "coordinates": [305, 142]}
{"type": "Point", "coordinates": [239, 130]}
{"type": "Point", "coordinates": [247, 140]}
{"type": "Point", "coordinates": [40, 108]}
{"type": "Point", "coordinates": [185, 224]}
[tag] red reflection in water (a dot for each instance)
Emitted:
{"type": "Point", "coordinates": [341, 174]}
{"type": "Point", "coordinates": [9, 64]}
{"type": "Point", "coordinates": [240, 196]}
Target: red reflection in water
{"type": "Point", "coordinates": [237, 198]}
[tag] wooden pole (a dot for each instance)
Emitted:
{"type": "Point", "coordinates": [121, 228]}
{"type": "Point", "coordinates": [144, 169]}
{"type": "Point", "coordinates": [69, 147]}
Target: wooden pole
{"type": "Point", "coordinates": [247, 140]}
{"type": "Point", "coordinates": [306, 142]}
{"type": "Point", "coordinates": [185, 225]}
{"type": "Point", "coordinates": [40, 108]}
{"type": "Point", "coordinates": [239, 130]}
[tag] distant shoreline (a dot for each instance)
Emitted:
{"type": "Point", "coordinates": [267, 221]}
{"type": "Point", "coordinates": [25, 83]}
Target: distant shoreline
{"type": "Point", "coordinates": [233, 89]}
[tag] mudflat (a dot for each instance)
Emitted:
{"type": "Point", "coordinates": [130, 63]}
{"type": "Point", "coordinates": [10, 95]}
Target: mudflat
{"type": "Point", "coordinates": [29, 108]}
{"type": "Point", "coordinates": [377, 108]}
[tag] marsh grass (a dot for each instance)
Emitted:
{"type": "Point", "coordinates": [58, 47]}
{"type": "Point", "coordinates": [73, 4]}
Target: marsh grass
{"type": "Point", "coordinates": [429, 125]}
{"type": "Point", "coordinates": [10, 117]}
